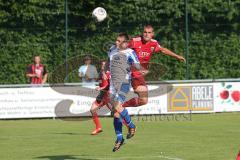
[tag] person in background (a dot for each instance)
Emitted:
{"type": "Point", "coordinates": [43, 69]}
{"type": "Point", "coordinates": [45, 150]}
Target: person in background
{"type": "Point", "coordinates": [37, 72]}
{"type": "Point", "coordinates": [102, 99]}
{"type": "Point", "coordinates": [88, 72]}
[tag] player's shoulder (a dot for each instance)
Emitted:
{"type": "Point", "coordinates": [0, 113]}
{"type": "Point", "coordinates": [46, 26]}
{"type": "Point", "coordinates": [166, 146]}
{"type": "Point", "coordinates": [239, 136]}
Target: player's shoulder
{"type": "Point", "coordinates": [137, 38]}
{"type": "Point", "coordinates": [113, 47]}
{"type": "Point", "coordinates": [131, 53]}
{"type": "Point", "coordinates": [107, 73]}
{"type": "Point", "coordinates": [129, 50]}
{"type": "Point", "coordinates": [29, 67]}
{"type": "Point", "coordinates": [153, 41]}
{"type": "Point", "coordinates": [82, 66]}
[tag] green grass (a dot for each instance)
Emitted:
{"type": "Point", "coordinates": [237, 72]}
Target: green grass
{"type": "Point", "coordinates": [205, 137]}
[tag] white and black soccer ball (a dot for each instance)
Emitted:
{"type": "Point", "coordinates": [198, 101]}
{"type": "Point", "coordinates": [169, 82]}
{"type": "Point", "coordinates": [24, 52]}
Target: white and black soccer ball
{"type": "Point", "coordinates": [99, 14]}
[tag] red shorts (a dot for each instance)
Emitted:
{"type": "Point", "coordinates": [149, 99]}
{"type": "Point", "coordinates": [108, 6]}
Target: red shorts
{"type": "Point", "coordinates": [137, 80]}
{"type": "Point", "coordinates": [102, 99]}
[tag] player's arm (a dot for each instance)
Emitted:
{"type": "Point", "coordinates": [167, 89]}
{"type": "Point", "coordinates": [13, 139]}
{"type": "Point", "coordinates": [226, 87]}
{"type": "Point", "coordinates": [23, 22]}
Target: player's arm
{"type": "Point", "coordinates": [105, 80]}
{"type": "Point", "coordinates": [172, 54]}
{"type": "Point", "coordinates": [80, 72]}
{"type": "Point", "coordinates": [29, 73]}
{"type": "Point", "coordinates": [106, 67]}
{"type": "Point", "coordinates": [136, 64]}
{"type": "Point", "coordinates": [166, 51]}
{"type": "Point", "coordinates": [45, 76]}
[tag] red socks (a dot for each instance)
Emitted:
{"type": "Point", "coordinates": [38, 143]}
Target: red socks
{"type": "Point", "coordinates": [238, 156]}
{"type": "Point", "coordinates": [96, 121]}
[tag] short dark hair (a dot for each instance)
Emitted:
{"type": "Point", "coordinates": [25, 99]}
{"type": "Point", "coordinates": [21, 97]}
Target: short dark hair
{"type": "Point", "coordinates": [148, 26]}
{"type": "Point", "coordinates": [87, 57]}
{"type": "Point", "coordinates": [36, 55]}
{"type": "Point", "coordinates": [103, 61]}
{"type": "Point", "coordinates": [125, 35]}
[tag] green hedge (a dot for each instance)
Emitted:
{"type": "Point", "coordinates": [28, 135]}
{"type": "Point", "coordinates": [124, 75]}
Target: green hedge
{"type": "Point", "coordinates": [37, 26]}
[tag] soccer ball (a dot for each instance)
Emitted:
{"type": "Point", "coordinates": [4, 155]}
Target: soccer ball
{"type": "Point", "coordinates": [99, 14]}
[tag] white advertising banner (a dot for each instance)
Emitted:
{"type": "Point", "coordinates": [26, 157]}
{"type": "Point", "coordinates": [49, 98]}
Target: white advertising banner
{"type": "Point", "coordinates": [40, 102]}
{"type": "Point", "coordinates": [36, 102]}
{"type": "Point", "coordinates": [204, 97]}
{"type": "Point", "coordinates": [227, 97]}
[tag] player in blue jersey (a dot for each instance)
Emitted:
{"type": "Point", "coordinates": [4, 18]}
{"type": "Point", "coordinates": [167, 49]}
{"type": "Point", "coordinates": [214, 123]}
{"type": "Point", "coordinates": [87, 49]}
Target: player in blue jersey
{"type": "Point", "coordinates": [122, 60]}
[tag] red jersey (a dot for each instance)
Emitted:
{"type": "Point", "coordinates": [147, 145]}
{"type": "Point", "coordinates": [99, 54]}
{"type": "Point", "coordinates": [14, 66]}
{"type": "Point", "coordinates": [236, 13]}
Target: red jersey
{"type": "Point", "coordinates": [104, 80]}
{"type": "Point", "coordinates": [144, 51]}
{"type": "Point", "coordinates": [39, 70]}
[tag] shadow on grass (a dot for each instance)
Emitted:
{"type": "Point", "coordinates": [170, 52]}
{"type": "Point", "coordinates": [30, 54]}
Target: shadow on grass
{"type": "Point", "coordinates": [69, 133]}
{"type": "Point", "coordinates": [72, 133]}
{"type": "Point", "coordinates": [65, 157]}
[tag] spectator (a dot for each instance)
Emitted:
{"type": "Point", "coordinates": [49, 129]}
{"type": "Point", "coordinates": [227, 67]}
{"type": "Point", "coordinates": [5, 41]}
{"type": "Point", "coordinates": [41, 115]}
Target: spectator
{"type": "Point", "coordinates": [88, 72]}
{"type": "Point", "coordinates": [37, 72]}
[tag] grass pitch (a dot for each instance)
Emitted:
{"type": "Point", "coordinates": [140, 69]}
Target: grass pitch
{"type": "Point", "coordinates": [203, 137]}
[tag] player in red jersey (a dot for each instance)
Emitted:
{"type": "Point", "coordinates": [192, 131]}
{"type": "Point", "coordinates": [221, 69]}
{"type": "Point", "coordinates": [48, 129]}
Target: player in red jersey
{"type": "Point", "coordinates": [102, 99]}
{"type": "Point", "coordinates": [145, 47]}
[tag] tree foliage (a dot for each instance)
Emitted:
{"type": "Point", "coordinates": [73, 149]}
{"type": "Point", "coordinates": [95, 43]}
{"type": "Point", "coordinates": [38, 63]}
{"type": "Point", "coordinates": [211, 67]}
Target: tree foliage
{"type": "Point", "coordinates": [29, 27]}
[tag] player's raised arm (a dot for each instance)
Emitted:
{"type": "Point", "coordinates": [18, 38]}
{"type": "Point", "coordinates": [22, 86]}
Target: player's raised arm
{"type": "Point", "coordinates": [172, 54]}
{"type": "Point", "coordinates": [166, 51]}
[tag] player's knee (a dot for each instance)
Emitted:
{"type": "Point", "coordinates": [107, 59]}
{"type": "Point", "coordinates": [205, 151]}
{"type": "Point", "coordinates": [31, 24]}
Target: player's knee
{"type": "Point", "coordinates": [141, 90]}
{"type": "Point", "coordinates": [116, 115]}
{"type": "Point", "coordinates": [92, 110]}
{"type": "Point", "coordinates": [143, 101]}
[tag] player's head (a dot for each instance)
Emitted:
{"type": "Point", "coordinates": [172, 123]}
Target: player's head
{"type": "Point", "coordinates": [103, 64]}
{"type": "Point", "coordinates": [148, 33]}
{"type": "Point", "coordinates": [122, 41]}
{"type": "Point", "coordinates": [87, 59]}
{"type": "Point", "coordinates": [37, 59]}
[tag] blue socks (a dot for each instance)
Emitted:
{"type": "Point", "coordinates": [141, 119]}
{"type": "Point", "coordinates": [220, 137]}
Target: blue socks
{"type": "Point", "coordinates": [117, 122]}
{"type": "Point", "coordinates": [118, 128]}
{"type": "Point", "coordinates": [124, 114]}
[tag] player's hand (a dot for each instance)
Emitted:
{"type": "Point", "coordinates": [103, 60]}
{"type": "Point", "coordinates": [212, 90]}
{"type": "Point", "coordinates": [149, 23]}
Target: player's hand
{"type": "Point", "coordinates": [144, 72]}
{"type": "Point", "coordinates": [97, 88]}
{"type": "Point", "coordinates": [87, 77]}
{"type": "Point", "coordinates": [182, 59]}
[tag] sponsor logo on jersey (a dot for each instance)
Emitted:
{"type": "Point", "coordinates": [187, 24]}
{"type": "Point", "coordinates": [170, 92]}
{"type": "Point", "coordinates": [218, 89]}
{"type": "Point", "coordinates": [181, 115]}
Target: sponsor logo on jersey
{"type": "Point", "coordinates": [144, 54]}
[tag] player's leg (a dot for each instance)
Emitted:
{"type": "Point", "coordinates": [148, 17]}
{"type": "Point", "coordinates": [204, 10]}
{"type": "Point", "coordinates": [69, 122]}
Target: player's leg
{"type": "Point", "coordinates": [98, 128]}
{"type": "Point", "coordinates": [118, 130]}
{"type": "Point", "coordinates": [107, 102]}
{"type": "Point", "coordinates": [140, 87]}
{"type": "Point", "coordinates": [123, 111]}
{"type": "Point", "coordinates": [99, 102]}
